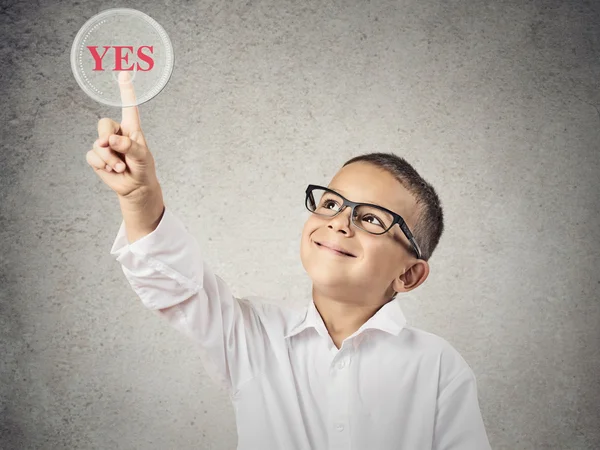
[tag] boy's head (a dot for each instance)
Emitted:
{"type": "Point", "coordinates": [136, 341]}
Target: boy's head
{"type": "Point", "coordinates": [382, 264]}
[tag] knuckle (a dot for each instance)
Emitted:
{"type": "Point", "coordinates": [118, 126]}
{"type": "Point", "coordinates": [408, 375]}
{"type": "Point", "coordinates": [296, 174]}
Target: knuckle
{"type": "Point", "coordinates": [103, 123]}
{"type": "Point", "coordinates": [102, 152]}
{"type": "Point", "coordinates": [105, 156]}
{"type": "Point", "coordinates": [94, 160]}
{"type": "Point", "coordinates": [106, 126]}
{"type": "Point", "coordinates": [96, 147]}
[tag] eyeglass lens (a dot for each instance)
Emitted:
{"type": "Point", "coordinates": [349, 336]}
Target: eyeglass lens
{"type": "Point", "coordinates": [369, 218]}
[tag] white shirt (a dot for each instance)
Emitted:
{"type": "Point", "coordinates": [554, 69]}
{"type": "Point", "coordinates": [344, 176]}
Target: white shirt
{"type": "Point", "coordinates": [389, 386]}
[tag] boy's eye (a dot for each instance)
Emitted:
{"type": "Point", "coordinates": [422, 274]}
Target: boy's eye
{"type": "Point", "coordinates": [330, 204]}
{"type": "Point", "coordinates": [372, 219]}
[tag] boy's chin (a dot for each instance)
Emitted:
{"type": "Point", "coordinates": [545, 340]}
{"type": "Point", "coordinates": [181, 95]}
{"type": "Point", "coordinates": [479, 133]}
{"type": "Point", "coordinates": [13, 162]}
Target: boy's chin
{"type": "Point", "coordinates": [331, 280]}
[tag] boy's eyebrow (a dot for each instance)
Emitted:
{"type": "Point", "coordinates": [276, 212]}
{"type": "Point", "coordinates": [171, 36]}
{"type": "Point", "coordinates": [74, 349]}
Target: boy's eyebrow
{"type": "Point", "coordinates": [366, 201]}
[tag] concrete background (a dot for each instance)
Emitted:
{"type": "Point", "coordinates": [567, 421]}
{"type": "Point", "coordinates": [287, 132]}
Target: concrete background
{"type": "Point", "coordinates": [495, 103]}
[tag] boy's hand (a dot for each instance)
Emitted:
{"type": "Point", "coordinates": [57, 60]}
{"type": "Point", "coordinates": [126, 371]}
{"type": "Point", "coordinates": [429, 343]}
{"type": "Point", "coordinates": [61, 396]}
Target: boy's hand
{"type": "Point", "coordinates": [120, 156]}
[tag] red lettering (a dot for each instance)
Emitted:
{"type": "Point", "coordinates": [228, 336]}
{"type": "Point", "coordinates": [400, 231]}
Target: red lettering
{"type": "Point", "coordinates": [96, 56]}
{"type": "Point", "coordinates": [119, 57]}
{"type": "Point", "coordinates": [145, 58]}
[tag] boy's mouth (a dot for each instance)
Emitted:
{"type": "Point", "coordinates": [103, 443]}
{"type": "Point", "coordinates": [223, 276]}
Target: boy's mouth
{"type": "Point", "coordinates": [334, 248]}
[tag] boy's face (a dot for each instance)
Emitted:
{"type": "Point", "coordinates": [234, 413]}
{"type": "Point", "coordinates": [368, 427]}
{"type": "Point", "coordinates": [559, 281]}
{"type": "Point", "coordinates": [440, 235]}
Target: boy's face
{"type": "Point", "coordinates": [381, 263]}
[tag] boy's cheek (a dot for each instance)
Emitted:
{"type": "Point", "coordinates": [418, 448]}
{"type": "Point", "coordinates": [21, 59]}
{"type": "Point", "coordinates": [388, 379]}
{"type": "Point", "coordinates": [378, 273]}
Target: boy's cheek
{"type": "Point", "coordinates": [312, 223]}
{"type": "Point", "coordinates": [305, 253]}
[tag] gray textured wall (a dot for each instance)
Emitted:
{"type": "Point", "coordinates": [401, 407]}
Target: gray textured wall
{"type": "Point", "coordinates": [495, 103]}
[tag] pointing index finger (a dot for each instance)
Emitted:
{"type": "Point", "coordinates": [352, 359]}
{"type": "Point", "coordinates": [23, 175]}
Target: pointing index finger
{"type": "Point", "coordinates": [130, 121]}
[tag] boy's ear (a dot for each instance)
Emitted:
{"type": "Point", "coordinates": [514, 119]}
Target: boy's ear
{"type": "Point", "coordinates": [412, 277]}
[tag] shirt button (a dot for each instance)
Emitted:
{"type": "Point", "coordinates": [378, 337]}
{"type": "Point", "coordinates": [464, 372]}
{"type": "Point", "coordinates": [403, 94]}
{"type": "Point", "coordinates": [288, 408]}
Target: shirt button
{"type": "Point", "coordinates": [342, 364]}
{"type": "Point", "coordinates": [339, 427]}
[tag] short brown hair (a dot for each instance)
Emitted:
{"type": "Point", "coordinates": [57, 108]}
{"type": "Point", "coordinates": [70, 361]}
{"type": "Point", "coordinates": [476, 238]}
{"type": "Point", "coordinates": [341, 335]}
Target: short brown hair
{"type": "Point", "coordinates": [430, 217]}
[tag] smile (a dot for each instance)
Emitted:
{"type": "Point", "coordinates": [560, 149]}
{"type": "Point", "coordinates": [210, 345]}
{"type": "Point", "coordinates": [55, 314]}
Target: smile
{"type": "Point", "coordinates": [335, 252]}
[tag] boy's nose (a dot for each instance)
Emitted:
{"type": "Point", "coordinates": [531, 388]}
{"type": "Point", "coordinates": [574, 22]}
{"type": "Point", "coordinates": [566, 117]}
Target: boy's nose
{"type": "Point", "coordinates": [342, 221]}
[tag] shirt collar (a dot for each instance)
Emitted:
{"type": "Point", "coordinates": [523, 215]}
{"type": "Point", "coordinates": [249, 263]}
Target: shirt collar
{"type": "Point", "coordinates": [389, 318]}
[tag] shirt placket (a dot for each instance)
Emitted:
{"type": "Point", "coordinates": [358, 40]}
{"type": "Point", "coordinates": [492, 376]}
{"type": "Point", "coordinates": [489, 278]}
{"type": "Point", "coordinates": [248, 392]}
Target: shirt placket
{"type": "Point", "coordinates": [338, 398]}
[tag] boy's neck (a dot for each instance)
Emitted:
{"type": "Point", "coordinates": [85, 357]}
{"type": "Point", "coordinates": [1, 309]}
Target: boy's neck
{"type": "Point", "coordinates": [342, 318]}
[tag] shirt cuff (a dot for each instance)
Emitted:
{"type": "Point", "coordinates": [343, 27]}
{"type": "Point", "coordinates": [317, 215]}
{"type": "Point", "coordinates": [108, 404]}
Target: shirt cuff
{"type": "Point", "coordinates": [165, 266]}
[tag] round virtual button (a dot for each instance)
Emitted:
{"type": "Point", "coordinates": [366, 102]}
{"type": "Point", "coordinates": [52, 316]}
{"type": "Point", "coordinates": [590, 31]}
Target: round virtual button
{"type": "Point", "coordinates": [121, 40]}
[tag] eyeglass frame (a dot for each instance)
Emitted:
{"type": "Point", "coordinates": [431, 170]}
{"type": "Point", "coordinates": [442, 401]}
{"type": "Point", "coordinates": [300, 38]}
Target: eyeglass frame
{"type": "Point", "coordinates": [397, 217]}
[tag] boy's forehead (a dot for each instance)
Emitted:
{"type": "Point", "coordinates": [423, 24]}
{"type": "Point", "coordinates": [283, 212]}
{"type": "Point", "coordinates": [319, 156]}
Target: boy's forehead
{"type": "Point", "coordinates": [362, 182]}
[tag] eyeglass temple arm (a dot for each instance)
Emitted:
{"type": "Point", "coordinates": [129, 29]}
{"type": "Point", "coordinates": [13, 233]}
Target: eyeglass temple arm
{"type": "Point", "coordinates": [411, 238]}
{"type": "Point", "coordinates": [416, 247]}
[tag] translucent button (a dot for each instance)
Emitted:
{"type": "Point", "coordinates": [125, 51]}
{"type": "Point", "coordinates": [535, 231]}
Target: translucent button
{"type": "Point", "coordinates": [342, 364]}
{"type": "Point", "coordinates": [339, 427]}
{"type": "Point", "coordinates": [121, 40]}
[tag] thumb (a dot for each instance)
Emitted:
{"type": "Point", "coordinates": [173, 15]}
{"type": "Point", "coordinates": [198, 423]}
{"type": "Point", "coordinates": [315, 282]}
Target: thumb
{"type": "Point", "coordinates": [128, 146]}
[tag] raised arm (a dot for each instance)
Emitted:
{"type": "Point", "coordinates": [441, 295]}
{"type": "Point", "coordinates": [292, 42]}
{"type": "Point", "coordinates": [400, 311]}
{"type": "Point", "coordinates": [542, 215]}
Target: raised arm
{"type": "Point", "coordinates": [166, 270]}
{"type": "Point", "coordinates": [161, 259]}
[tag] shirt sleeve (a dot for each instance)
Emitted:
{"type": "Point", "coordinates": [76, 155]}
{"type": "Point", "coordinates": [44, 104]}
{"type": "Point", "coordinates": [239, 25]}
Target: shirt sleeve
{"type": "Point", "coordinates": [166, 270]}
{"type": "Point", "coordinates": [458, 421]}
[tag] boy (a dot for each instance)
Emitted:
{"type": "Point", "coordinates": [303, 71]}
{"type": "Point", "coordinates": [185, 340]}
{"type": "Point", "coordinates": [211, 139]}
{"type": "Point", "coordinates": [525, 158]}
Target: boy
{"type": "Point", "coordinates": [346, 373]}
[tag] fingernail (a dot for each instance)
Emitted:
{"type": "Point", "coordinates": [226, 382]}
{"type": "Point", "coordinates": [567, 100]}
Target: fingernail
{"type": "Point", "coordinates": [119, 167]}
{"type": "Point", "coordinates": [108, 168]}
{"type": "Point", "coordinates": [114, 140]}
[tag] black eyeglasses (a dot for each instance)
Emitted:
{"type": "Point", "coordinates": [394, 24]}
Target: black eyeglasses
{"type": "Point", "coordinates": [371, 218]}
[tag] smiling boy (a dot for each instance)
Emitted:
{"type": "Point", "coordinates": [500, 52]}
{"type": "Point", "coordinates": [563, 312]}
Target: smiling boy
{"type": "Point", "coordinates": [347, 372]}
{"type": "Point", "coordinates": [348, 290]}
